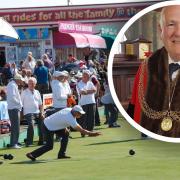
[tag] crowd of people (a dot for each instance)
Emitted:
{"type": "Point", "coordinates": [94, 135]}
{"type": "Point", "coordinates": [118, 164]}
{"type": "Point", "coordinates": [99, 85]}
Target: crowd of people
{"type": "Point", "coordinates": [73, 83]}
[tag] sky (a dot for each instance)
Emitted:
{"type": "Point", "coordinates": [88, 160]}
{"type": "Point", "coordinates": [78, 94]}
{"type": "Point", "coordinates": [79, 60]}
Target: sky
{"type": "Point", "coordinates": [39, 3]}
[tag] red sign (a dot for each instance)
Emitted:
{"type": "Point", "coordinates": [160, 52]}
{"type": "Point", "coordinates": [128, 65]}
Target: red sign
{"type": "Point", "coordinates": [70, 27]}
{"type": "Point", "coordinates": [47, 100]}
{"type": "Point", "coordinates": [51, 15]}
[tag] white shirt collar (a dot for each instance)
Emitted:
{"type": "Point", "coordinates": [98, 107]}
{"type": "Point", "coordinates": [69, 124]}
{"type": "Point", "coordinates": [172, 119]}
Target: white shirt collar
{"type": "Point", "coordinates": [172, 61]}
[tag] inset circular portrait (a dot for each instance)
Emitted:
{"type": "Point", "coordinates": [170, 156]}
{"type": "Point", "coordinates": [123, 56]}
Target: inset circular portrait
{"type": "Point", "coordinates": [144, 75]}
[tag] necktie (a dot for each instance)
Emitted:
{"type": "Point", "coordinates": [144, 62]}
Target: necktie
{"type": "Point", "coordinates": [172, 68]}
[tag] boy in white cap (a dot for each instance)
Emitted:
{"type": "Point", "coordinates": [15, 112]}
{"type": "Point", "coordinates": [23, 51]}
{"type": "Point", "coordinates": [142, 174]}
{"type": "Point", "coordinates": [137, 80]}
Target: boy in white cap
{"type": "Point", "coordinates": [57, 124]}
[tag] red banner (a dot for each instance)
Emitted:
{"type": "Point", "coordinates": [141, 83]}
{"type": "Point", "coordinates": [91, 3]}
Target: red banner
{"type": "Point", "coordinates": [51, 15]}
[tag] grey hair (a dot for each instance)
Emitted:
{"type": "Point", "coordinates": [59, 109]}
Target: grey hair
{"type": "Point", "coordinates": [40, 62]}
{"type": "Point", "coordinates": [33, 79]}
{"type": "Point", "coordinates": [161, 19]}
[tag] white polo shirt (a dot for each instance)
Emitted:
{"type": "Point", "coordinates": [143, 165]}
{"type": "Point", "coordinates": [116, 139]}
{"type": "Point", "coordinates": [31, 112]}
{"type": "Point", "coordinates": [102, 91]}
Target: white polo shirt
{"type": "Point", "coordinates": [68, 88]}
{"type": "Point", "coordinates": [59, 94]}
{"type": "Point", "coordinates": [31, 101]}
{"type": "Point", "coordinates": [89, 98]}
{"type": "Point", "coordinates": [60, 120]}
{"type": "Point", "coordinates": [29, 64]}
{"type": "Point", "coordinates": [13, 96]}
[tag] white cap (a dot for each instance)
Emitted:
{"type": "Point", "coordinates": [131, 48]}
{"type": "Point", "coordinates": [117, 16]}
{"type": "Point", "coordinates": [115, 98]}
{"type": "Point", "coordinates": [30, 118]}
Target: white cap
{"type": "Point", "coordinates": [87, 72]}
{"type": "Point", "coordinates": [18, 77]}
{"type": "Point", "coordinates": [73, 80]}
{"type": "Point", "coordinates": [58, 73]}
{"type": "Point", "coordinates": [78, 108]}
{"type": "Point", "coordinates": [78, 75]}
{"type": "Point", "coordinates": [66, 73]}
{"type": "Point", "coordinates": [29, 53]}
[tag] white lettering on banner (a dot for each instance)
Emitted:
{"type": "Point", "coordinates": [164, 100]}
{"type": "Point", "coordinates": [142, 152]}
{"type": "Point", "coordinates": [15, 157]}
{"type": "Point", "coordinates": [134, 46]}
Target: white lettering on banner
{"type": "Point", "coordinates": [75, 27]}
{"type": "Point", "coordinates": [64, 26]}
{"type": "Point", "coordinates": [86, 28]}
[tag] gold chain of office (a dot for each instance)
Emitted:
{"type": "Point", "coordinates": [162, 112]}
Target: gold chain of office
{"type": "Point", "coordinates": [149, 112]}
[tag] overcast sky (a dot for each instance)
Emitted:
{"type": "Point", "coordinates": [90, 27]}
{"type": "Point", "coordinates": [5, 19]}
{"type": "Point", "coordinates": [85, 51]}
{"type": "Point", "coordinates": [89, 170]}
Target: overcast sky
{"type": "Point", "coordinates": [39, 3]}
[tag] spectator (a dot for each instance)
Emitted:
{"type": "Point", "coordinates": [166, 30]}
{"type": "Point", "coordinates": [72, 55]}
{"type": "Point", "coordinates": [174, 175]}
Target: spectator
{"type": "Point", "coordinates": [32, 110]}
{"type": "Point", "coordinates": [47, 62]}
{"type": "Point", "coordinates": [71, 99]}
{"type": "Point", "coordinates": [14, 107]}
{"type": "Point", "coordinates": [66, 82]}
{"type": "Point", "coordinates": [59, 91]}
{"type": "Point", "coordinates": [97, 85]}
{"type": "Point", "coordinates": [29, 62]}
{"type": "Point", "coordinates": [6, 73]}
{"type": "Point", "coordinates": [86, 91]}
{"type": "Point", "coordinates": [13, 69]}
{"type": "Point", "coordinates": [71, 58]}
{"type": "Point", "coordinates": [111, 108]}
{"type": "Point", "coordinates": [91, 67]}
{"type": "Point", "coordinates": [20, 67]}
{"type": "Point", "coordinates": [3, 95]}
{"type": "Point", "coordinates": [42, 75]}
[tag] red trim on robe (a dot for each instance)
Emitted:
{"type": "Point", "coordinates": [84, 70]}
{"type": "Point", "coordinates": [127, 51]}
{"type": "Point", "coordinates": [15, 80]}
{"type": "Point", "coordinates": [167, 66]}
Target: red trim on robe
{"type": "Point", "coordinates": [134, 99]}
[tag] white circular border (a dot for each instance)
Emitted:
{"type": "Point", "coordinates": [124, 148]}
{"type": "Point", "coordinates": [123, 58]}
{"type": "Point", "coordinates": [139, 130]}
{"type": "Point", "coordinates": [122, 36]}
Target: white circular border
{"type": "Point", "coordinates": [110, 64]}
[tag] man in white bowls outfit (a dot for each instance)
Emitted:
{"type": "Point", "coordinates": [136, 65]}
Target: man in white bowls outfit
{"type": "Point", "coordinates": [32, 110]}
{"type": "Point", "coordinates": [14, 107]}
{"type": "Point", "coordinates": [59, 91]}
{"type": "Point", "coordinates": [57, 124]}
{"type": "Point", "coordinates": [86, 91]}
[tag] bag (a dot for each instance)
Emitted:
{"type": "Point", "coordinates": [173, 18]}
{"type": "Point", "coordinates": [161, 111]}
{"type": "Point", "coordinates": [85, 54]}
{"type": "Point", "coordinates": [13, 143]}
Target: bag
{"type": "Point", "coordinates": [71, 101]}
{"type": "Point", "coordinates": [4, 127]}
{"type": "Point", "coordinates": [50, 111]}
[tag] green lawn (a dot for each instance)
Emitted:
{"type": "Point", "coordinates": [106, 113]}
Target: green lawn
{"type": "Point", "coordinates": [103, 157]}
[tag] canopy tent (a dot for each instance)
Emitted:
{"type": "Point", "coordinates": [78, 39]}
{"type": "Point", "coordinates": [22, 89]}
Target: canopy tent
{"type": "Point", "coordinates": [109, 41]}
{"type": "Point", "coordinates": [63, 40]}
{"type": "Point", "coordinates": [95, 41]}
{"type": "Point", "coordinates": [7, 30]}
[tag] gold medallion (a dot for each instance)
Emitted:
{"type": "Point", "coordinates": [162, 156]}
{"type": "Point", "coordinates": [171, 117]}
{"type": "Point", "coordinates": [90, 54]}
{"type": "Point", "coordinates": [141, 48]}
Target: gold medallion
{"type": "Point", "coordinates": [166, 123]}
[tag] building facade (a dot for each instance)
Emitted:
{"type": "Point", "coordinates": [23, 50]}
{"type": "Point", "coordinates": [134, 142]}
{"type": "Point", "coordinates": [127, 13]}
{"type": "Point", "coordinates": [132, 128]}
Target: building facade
{"type": "Point", "coordinates": [36, 28]}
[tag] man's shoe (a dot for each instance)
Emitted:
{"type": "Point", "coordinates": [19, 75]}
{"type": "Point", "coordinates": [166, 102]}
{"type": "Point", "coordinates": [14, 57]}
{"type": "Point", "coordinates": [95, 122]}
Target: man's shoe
{"type": "Point", "coordinates": [40, 143]}
{"type": "Point", "coordinates": [16, 147]}
{"type": "Point", "coordinates": [63, 157]}
{"type": "Point", "coordinates": [114, 126]}
{"type": "Point", "coordinates": [19, 144]}
{"type": "Point", "coordinates": [29, 145]}
{"type": "Point", "coordinates": [30, 156]}
{"type": "Point", "coordinates": [98, 124]}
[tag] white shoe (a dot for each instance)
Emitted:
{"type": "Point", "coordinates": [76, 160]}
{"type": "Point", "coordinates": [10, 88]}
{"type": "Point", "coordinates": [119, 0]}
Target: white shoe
{"type": "Point", "coordinates": [16, 147]}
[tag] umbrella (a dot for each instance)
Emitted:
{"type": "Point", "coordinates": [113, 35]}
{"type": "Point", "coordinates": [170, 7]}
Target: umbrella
{"type": "Point", "coordinates": [7, 30]}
